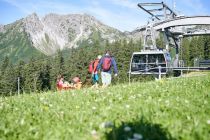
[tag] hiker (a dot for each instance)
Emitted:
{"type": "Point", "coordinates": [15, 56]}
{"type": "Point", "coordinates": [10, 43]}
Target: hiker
{"type": "Point", "coordinates": [93, 70]}
{"type": "Point", "coordinates": [105, 64]}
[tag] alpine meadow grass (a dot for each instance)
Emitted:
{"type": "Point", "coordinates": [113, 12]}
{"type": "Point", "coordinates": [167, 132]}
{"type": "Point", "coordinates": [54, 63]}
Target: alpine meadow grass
{"type": "Point", "coordinates": [168, 109]}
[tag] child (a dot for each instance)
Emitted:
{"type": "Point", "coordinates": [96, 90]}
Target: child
{"type": "Point", "coordinates": [60, 82]}
{"type": "Point", "coordinates": [77, 84]}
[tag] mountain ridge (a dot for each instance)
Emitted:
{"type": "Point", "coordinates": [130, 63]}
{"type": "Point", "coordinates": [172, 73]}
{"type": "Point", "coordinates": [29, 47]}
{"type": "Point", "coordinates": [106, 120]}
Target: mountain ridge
{"type": "Point", "coordinates": [54, 32]}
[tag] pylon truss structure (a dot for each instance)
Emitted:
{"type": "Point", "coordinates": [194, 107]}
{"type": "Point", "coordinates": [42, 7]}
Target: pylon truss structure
{"type": "Point", "coordinates": [172, 25]}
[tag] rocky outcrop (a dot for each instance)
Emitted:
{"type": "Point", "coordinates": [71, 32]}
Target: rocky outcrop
{"type": "Point", "coordinates": [1, 28]}
{"type": "Point", "coordinates": [54, 31]}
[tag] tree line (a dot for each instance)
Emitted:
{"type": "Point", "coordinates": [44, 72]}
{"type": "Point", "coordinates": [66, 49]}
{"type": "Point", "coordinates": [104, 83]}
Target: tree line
{"type": "Point", "coordinates": [41, 74]}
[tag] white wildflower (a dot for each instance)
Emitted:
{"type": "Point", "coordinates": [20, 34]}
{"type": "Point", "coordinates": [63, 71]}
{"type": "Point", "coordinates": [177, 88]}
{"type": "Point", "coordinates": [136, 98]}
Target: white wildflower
{"type": "Point", "coordinates": [205, 102]}
{"type": "Point", "coordinates": [131, 139]}
{"type": "Point", "coordinates": [93, 132]}
{"type": "Point", "coordinates": [106, 125]}
{"type": "Point", "coordinates": [167, 101]}
{"type": "Point", "coordinates": [22, 121]}
{"type": "Point", "coordinates": [127, 129]}
{"type": "Point", "coordinates": [186, 101]}
{"type": "Point", "coordinates": [137, 136]}
{"type": "Point", "coordinates": [127, 106]}
{"type": "Point", "coordinates": [149, 98]}
{"type": "Point", "coordinates": [102, 125]}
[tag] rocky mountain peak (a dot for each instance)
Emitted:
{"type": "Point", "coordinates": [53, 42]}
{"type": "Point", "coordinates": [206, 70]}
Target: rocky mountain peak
{"type": "Point", "coordinates": [1, 28]}
{"type": "Point", "coordinates": [54, 31]}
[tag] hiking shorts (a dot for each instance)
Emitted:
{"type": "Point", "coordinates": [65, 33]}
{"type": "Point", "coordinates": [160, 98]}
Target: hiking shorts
{"type": "Point", "coordinates": [106, 78]}
{"type": "Point", "coordinates": [95, 78]}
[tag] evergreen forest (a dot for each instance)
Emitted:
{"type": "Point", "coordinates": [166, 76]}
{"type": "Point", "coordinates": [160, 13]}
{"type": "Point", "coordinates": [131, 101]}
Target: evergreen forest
{"type": "Point", "coordinates": [40, 74]}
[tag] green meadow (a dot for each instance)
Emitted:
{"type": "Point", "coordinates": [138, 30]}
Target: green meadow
{"type": "Point", "coordinates": [169, 109]}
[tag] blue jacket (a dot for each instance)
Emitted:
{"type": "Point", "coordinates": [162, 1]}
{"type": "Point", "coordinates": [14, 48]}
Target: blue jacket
{"type": "Point", "coordinates": [113, 63]}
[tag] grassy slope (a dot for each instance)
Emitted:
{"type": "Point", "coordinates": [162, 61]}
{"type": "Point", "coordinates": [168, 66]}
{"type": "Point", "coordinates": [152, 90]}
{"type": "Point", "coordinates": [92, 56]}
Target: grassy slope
{"type": "Point", "coordinates": [15, 44]}
{"type": "Point", "coordinates": [168, 109]}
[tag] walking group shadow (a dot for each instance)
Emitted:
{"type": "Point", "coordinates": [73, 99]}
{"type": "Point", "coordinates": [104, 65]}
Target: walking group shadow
{"type": "Point", "coordinates": [139, 130]}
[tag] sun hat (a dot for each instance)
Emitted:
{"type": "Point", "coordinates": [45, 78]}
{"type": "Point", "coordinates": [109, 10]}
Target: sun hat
{"type": "Point", "coordinates": [99, 56]}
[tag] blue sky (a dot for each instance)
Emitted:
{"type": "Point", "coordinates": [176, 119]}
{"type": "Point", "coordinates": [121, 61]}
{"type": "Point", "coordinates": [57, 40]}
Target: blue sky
{"type": "Point", "coordinates": [121, 14]}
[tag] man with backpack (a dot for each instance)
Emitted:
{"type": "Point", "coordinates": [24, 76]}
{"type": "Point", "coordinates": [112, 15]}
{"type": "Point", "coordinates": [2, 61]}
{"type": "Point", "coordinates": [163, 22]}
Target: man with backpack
{"type": "Point", "coordinates": [105, 65]}
{"type": "Point", "coordinates": [93, 70]}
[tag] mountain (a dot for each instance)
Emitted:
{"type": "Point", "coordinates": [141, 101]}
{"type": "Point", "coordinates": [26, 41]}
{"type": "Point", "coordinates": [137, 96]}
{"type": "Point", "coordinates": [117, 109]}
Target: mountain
{"type": "Point", "coordinates": [34, 36]}
{"type": "Point", "coordinates": [15, 43]}
{"type": "Point", "coordinates": [54, 31]}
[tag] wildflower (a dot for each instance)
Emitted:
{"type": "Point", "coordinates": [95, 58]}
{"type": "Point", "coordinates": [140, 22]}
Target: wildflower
{"type": "Point", "coordinates": [186, 101]}
{"type": "Point", "coordinates": [137, 136]}
{"type": "Point", "coordinates": [188, 117]}
{"type": "Point", "coordinates": [94, 108]}
{"type": "Point", "coordinates": [131, 139]}
{"type": "Point", "coordinates": [149, 98]}
{"type": "Point", "coordinates": [127, 106]}
{"type": "Point", "coordinates": [93, 132]}
{"type": "Point", "coordinates": [22, 121]}
{"type": "Point", "coordinates": [208, 121]}
{"type": "Point", "coordinates": [127, 129]}
{"type": "Point", "coordinates": [205, 102]}
{"type": "Point", "coordinates": [167, 101]}
{"type": "Point", "coordinates": [102, 125]}
{"type": "Point", "coordinates": [106, 124]}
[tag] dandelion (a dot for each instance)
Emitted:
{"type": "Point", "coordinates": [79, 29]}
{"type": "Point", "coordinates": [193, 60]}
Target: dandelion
{"type": "Point", "coordinates": [137, 136]}
{"type": "Point", "coordinates": [127, 129]}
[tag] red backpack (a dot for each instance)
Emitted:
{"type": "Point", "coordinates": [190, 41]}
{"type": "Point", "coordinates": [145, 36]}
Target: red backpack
{"type": "Point", "coordinates": [90, 67]}
{"type": "Point", "coordinates": [93, 66]}
{"type": "Point", "coordinates": [106, 63]}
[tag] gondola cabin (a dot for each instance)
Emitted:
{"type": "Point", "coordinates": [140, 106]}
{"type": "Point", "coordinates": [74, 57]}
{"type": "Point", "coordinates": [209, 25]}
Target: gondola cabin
{"type": "Point", "coordinates": [148, 62]}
